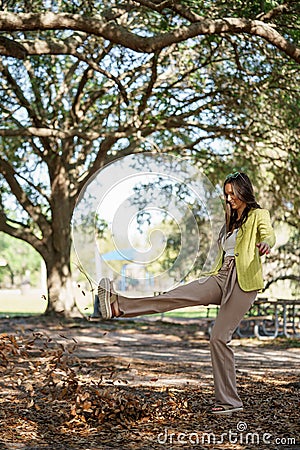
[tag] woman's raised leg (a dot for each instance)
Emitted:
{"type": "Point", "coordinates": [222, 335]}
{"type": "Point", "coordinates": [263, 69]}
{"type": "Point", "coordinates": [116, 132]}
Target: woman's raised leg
{"type": "Point", "coordinates": [200, 292]}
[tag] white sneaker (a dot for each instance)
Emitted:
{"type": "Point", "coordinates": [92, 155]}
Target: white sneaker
{"type": "Point", "coordinates": [104, 295]}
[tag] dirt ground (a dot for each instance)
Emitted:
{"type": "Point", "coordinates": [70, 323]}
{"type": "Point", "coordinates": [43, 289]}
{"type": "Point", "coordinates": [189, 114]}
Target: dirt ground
{"type": "Point", "coordinates": [139, 384]}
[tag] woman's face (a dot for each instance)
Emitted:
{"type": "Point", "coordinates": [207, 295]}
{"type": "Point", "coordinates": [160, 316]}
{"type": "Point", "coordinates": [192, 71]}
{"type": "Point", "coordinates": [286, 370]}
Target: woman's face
{"type": "Point", "coordinates": [232, 199]}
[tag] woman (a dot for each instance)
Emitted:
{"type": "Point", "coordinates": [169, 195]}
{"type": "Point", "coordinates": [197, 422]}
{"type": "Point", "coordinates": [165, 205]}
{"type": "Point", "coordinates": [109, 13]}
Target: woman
{"type": "Point", "coordinates": [233, 285]}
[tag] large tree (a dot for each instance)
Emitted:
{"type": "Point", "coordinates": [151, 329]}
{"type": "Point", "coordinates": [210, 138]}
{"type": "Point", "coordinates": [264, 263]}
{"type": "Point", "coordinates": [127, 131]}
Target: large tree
{"type": "Point", "coordinates": [84, 84]}
{"type": "Point", "coordinates": [127, 23]}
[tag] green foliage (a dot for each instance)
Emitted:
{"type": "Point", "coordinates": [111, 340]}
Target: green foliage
{"type": "Point", "coordinates": [23, 262]}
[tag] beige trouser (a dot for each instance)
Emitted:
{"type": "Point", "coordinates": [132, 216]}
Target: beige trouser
{"type": "Point", "coordinates": [217, 290]}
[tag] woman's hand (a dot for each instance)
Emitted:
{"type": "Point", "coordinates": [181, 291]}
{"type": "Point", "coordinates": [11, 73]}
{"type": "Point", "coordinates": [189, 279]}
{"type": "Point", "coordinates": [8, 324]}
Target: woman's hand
{"type": "Point", "coordinates": [264, 248]}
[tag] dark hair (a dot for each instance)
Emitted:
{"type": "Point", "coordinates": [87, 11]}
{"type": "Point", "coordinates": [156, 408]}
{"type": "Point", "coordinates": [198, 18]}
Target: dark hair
{"type": "Point", "coordinates": [243, 190]}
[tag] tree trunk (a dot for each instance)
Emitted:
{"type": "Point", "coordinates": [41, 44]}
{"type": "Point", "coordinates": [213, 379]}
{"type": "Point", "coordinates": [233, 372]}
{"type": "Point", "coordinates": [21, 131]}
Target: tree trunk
{"type": "Point", "coordinates": [59, 282]}
{"type": "Point", "coordinates": [61, 299]}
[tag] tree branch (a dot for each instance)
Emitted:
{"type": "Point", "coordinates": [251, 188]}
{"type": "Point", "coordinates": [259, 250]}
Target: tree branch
{"type": "Point", "coordinates": [68, 47]}
{"type": "Point", "coordinates": [101, 157]}
{"type": "Point", "coordinates": [77, 113]}
{"type": "Point", "coordinates": [20, 233]}
{"type": "Point", "coordinates": [62, 134]}
{"type": "Point", "coordinates": [51, 46]}
{"type": "Point", "coordinates": [34, 211]}
{"type": "Point", "coordinates": [19, 93]}
{"type": "Point", "coordinates": [283, 277]}
{"type": "Point", "coordinates": [22, 100]}
{"type": "Point", "coordinates": [8, 47]}
{"type": "Point", "coordinates": [38, 99]}
{"type": "Point", "coordinates": [277, 11]}
{"type": "Point", "coordinates": [150, 85]}
{"type": "Point", "coordinates": [119, 35]}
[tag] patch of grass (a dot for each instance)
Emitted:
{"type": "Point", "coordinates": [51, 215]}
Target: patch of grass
{"type": "Point", "coordinates": [16, 302]}
{"type": "Point", "coordinates": [190, 313]}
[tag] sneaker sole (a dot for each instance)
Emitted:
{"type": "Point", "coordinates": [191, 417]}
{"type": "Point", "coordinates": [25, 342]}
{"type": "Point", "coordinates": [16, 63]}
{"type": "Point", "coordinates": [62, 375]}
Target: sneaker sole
{"type": "Point", "coordinates": [227, 411]}
{"type": "Point", "coordinates": [104, 298]}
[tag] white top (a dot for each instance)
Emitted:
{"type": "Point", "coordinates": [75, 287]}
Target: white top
{"type": "Point", "coordinates": [229, 243]}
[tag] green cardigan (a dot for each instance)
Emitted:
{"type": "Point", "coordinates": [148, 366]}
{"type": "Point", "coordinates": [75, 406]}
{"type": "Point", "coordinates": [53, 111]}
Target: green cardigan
{"type": "Point", "coordinates": [257, 228]}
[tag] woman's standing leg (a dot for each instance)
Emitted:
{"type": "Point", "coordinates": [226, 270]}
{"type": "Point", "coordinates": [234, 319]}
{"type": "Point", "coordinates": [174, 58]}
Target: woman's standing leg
{"type": "Point", "coordinates": [199, 292]}
{"type": "Point", "coordinates": [228, 319]}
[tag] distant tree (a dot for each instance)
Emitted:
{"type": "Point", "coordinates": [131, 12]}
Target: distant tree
{"type": "Point", "coordinates": [20, 259]}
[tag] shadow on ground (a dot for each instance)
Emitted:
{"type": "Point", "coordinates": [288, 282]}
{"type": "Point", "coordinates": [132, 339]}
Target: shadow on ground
{"type": "Point", "coordinates": [138, 384]}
